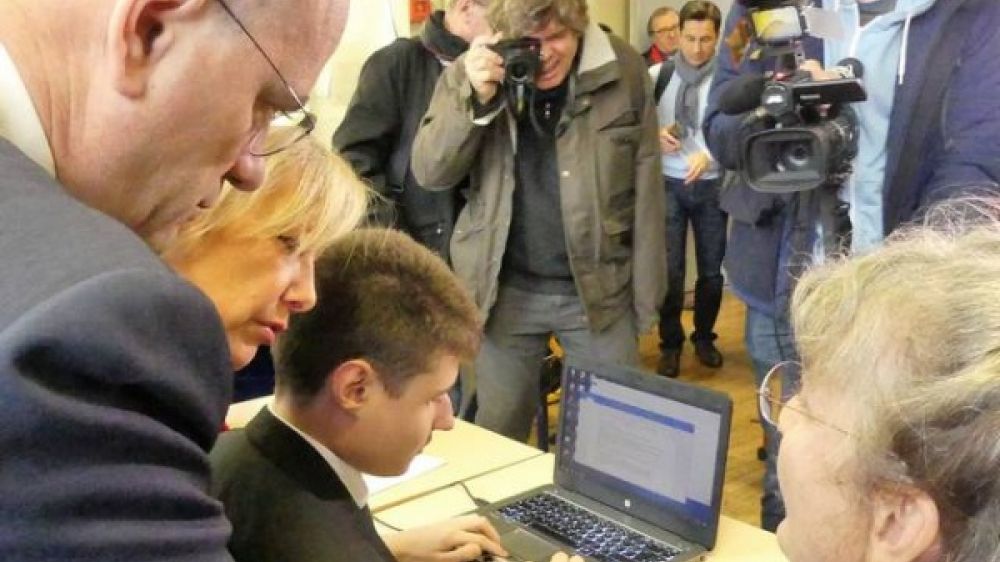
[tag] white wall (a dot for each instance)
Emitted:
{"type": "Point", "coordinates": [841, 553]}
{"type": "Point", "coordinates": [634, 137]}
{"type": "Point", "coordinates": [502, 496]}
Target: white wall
{"type": "Point", "coordinates": [614, 13]}
{"type": "Point", "coordinates": [371, 24]}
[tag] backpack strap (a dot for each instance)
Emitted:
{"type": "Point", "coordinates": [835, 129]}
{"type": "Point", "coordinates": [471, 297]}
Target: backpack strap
{"type": "Point", "coordinates": [662, 79]}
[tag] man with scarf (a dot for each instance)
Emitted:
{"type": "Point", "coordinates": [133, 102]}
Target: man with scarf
{"type": "Point", "coordinates": [691, 179]}
{"type": "Point", "coordinates": [376, 135]}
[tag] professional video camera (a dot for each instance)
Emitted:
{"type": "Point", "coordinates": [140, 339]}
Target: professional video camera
{"type": "Point", "coordinates": [805, 134]}
{"type": "Point", "coordinates": [521, 61]}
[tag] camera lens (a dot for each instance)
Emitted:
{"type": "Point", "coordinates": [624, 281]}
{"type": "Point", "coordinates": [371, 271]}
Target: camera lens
{"type": "Point", "coordinates": [518, 71]}
{"type": "Point", "coordinates": [794, 156]}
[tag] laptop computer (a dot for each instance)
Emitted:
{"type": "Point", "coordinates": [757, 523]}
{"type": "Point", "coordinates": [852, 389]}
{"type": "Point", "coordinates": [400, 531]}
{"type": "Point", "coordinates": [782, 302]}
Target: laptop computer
{"type": "Point", "coordinates": [640, 464]}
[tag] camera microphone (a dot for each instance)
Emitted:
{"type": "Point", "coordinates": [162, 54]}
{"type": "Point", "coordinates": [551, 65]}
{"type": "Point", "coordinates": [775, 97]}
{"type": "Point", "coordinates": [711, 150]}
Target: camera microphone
{"type": "Point", "coordinates": [742, 94]}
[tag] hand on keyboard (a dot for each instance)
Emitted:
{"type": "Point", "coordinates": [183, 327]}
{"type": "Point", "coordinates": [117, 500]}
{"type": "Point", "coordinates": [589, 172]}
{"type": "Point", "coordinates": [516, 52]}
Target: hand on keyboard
{"type": "Point", "coordinates": [462, 539]}
{"type": "Point", "coordinates": [563, 557]}
{"type": "Point", "coordinates": [557, 557]}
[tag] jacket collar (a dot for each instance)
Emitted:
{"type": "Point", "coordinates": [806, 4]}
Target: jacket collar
{"type": "Point", "coordinates": [294, 456]}
{"type": "Point", "coordinates": [436, 38]}
{"type": "Point", "coordinates": [351, 477]}
{"type": "Point", "coordinates": [598, 61]}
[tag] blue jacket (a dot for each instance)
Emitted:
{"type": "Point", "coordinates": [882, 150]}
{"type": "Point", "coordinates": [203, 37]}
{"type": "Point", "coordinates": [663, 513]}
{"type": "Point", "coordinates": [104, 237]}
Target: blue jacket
{"type": "Point", "coordinates": [944, 138]}
{"type": "Point", "coordinates": [114, 381]}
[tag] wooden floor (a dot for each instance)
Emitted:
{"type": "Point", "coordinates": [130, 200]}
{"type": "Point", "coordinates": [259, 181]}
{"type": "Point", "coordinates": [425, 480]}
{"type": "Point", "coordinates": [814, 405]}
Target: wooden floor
{"type": "Point", "coordinates": [741, 494]}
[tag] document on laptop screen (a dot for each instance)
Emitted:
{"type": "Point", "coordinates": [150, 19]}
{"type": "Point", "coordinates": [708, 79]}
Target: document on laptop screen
{"type": "Point", "coordinates": [646, 445]}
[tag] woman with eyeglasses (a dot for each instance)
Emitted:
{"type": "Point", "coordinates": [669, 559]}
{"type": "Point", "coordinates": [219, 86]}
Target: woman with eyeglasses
{"type": "Point", "coordinates": [253, 253]}
{"type": "Point", "coordinates": [891, 446]}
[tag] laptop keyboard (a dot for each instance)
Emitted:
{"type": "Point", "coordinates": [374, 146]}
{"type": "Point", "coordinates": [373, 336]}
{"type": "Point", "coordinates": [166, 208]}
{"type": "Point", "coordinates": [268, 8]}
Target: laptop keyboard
{"type": "Point", "coordinates": [589, 534]}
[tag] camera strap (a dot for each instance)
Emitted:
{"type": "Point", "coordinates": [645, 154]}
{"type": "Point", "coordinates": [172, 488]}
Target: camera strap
{"type": "Point", "coordinates": [835, 221]}
{"type": "Point", "coordinates": [519, 101]}
{"type": "Point", "coordinates": [662, 79]}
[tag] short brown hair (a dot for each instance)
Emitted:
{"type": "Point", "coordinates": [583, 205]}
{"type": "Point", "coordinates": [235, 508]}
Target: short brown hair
{"type": "Point", "coordinates": [701, 10]}
{"type": "Point", "coordinates": [384, 298]}
{"type": "Point", "coordinates": [515, 18]}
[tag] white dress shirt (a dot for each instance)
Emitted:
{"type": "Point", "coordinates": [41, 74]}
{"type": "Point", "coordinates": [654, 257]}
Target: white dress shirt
{"type": "Point", "coordinates": [19, 121]}
{"type": "Point", "coordinates": [350, 476]}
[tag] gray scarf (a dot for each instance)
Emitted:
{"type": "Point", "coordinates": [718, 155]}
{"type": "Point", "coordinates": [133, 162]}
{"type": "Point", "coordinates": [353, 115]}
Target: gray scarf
{"type": "Point", "coordinates": [686, 104]}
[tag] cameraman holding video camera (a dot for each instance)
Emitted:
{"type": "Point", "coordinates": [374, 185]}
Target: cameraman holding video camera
{"type": "Point", "coordinates": [562, 233]}
{"type": "Point", "coordinates": [929, 130]}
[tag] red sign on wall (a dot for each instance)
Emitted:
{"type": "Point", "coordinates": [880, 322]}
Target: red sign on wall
{"type": "Point", "coordinates": [419, 10]}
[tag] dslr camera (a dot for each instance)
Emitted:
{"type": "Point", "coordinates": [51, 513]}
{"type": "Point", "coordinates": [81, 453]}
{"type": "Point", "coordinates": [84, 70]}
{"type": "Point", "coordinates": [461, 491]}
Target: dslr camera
{"type": "Point", "coordinates": [806, 134]}
{"type": "Point", "coordinates": [521, 59]}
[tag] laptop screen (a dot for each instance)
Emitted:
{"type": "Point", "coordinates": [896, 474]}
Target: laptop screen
{"type": "Point", "coordinates": [643, 441]}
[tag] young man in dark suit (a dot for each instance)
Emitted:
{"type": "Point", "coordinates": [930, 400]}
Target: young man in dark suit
{"type": "Point", "coordinates": [362, 381]}
{"type": "Point", "coordinates": [119, 120]}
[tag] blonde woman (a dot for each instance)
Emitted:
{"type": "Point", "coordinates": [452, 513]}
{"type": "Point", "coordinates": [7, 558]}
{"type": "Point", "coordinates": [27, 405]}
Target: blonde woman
{"type": "Point", "coordinates": [891, 447]}
{"type": "Point", "coordinates": [253, 253]}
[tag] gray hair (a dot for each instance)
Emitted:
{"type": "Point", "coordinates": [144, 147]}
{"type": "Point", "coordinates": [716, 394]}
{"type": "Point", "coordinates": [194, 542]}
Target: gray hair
{"type": "Point", "coordinates": [515, 18]}
{"type": "Point", "coordinates": [910, 335]}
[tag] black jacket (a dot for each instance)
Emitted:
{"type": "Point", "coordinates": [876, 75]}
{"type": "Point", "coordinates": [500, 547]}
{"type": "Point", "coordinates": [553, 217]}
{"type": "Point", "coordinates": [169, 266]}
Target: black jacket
{"type": "Point", "coordinates": [114, 380]}
{"type": "Point", "coordinates": [377, 132]}
{"type": "Point", "coordinates": [285, 502]}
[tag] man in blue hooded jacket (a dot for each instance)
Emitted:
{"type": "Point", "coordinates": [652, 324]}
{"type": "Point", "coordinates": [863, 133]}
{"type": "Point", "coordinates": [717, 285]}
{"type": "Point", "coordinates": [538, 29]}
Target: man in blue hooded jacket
{"type": "Point", "coordinates": [929, 131]}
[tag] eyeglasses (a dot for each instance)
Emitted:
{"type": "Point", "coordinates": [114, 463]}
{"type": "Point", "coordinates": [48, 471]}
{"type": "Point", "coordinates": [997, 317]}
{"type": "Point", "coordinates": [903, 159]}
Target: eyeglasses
{"type": "Point", "coordinates": [667, 30]}
{"type": "Point", "coordinates": [780, 385]}
{"type": "Point", "coordinates": [301, 117]}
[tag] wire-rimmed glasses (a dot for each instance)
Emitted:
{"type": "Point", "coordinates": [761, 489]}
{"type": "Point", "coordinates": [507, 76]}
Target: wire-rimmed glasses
{"type": "Point", "coordinates": [300, 117]}
{"type": "Point", "coordinates": [780, 385]}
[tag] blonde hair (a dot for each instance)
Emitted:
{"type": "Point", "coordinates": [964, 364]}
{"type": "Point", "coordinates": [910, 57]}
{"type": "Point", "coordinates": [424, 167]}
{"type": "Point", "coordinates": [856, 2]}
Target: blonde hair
{"type": "Point", "coordinates": [515, 18]}
{"type": "Point", "coordinates": [308, 189]}
{"type": "Point", "coordinates": [909, 335]}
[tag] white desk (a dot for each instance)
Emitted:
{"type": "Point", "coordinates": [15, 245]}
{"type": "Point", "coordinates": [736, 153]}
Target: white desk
{"type": "Point", "coordinates": [494, 468]}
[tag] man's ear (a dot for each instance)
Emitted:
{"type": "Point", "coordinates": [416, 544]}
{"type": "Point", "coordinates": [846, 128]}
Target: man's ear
{"type": "Point", "coordinates": [351, 384]}
{"type": "Point", "coordinates": [139, 34]}
{"type": "Point", "coordinates": [905, 526]}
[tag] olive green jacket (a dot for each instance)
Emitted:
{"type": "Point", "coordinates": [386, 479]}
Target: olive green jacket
{"type": "Point", "coordinates": [611, 192]}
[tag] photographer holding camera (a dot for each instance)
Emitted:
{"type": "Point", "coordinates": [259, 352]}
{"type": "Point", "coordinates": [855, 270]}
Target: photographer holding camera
{"type": "Point", "coordinates": [562, 233]}
{"type": "Point", "coordinates": [929, 130]}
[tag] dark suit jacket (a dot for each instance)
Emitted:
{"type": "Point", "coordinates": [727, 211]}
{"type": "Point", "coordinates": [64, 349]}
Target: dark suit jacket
{"type": "Point", "coordinates": [285, 501]}
{"type": "Point", "coordinates": [114, 377]}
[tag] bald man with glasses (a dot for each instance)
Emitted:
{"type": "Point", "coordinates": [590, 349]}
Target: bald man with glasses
{"type": "Point", "coordinates": [119, 121]}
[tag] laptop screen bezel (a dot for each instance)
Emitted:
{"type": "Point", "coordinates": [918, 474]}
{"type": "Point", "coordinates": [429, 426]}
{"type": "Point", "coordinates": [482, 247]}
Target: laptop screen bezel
{"type": "Point", "coordinates": [637, 506]}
